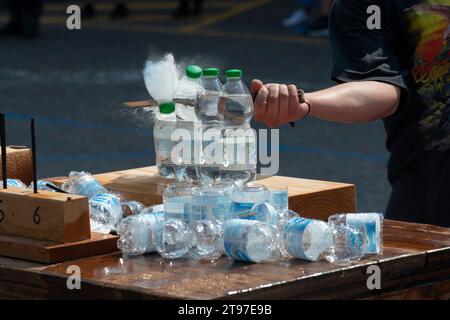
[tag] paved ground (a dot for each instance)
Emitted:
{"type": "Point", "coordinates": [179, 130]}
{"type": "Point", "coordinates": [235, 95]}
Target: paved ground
{"type": "Point", "coordinates": [73, 82]}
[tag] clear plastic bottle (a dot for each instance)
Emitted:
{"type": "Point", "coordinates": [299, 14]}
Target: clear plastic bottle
{"type": "Point", "coordinates": [252, 241]}
{"type": "Point", "coordinates": [349, 244]}
{"type": "Point", "coordinates": [369, 224]}
{"type": "Point", "coordinates": [207, 111]}
{"type": "Point", "coordinates": [83, 183]}
{"type": "Point", "coordinates": [138, 233]}
{"type": "Point", "coordinates": [15, 183]}
{"type": "Point", "coordinates": [105, 212]}
{"type": "Point", "coordinates": [236, 110]}
{"type": "Point", "coordinates": [175, 239]}
{"type": "Point", "coordinates": [210, 209]}
{"type": "Point", "coordinates": [213, 202]}
{"type": "Point", "coordinates": [177, 199]}
{"type": "Point", "coordinates": [307, 239]}
{"type": "Point", "coordinates": [132, 208]}
{"type": "Point", "coordinates": [264, 212]}
{"type": "Point", "coordinates": [165, 124]}
{"type": "Point", "coordinates": [188, 88]}
{"type": "Point", "coordinates": [243, 200]}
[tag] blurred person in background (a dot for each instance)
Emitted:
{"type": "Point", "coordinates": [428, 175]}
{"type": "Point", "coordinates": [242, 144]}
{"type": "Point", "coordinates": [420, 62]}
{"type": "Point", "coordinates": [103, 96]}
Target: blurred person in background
{"type": "Point", "coordinates": [120, 10]}
{"type": "Point", "coordinates": [23, 18]}
{"type": "Point", "coordinates": [185, 9]}
{"type": "Point", "coordinates": [398, 73]}
{"type": "Point", "coordinates": [307, 21]}
{"type": "Point", "coordinates": [318, 27]}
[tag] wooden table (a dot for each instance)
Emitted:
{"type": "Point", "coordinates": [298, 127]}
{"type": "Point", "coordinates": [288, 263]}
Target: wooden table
{"type": "Point", "coordinates": [415, 264]}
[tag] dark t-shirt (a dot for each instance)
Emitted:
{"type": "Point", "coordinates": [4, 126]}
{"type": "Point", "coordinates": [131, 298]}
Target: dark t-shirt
{"type": "Point", "coordinates": [411, 51]}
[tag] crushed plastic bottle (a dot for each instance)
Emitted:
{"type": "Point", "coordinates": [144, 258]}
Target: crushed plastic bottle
{"type": "Point", "coordinates": [175, 239]}
{"type": "Point", "coordinates": [243, 200]}
{"type": "Point", "coordinates": [280, 200]}
{"type": "Point", "coordinates": [236, 110]}
{"type": "Point", "coordinates": [349, 245]}
{"type": "Point", "coordinates": [138, 233]}
{"type": "Point", "coordinates": [207, 239]}
{"type": "Point", "coordinates": [15, 183]}
{"type": "Point", "coordinates": [132, 208]}
{"type": "Point", "coordinates": [213, 202]}
{"type": "Point", "coordinates": [264, 212]}
{"type": "Point", "coordinates": [83, 183]}
{"type": "Point", "coordinates": [177, 199]}
{"type": "Point", "coordinates": [165, 124]}
{"type": "Point", "coordinates": [105, 212]}
{"type": "Point", "coordinates": [252, 241]}
{"type": "Point", "coordinates": [307, 239]}
{"type": "Point", "coordinates": [369, 224]}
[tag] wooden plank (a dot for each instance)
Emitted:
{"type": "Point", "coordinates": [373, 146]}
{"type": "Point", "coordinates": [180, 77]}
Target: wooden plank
{"type": "Point", "coordinates": [18, 164]}
{"type": "Point", "coordinates": [53, 252]}
{"type": "Point", "coordinates": [44, 215]}
{"type": "Point", "coordinates": [311, 198]}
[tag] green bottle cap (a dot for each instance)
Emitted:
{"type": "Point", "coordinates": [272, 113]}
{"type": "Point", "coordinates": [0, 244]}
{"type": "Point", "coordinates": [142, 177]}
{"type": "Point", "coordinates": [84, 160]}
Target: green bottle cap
{"type": "Point", "coordinates": [233, 73]}
{"type": "Point", "coordinates": [167, 107]}
{"type": "Point", "coordinates": [210, 72]}
{"type": "Point", "coordinates": [193, 71]}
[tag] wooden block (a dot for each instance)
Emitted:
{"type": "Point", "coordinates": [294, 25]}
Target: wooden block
{"type": "Point", "coordinates": [45, 215]}
{"type": "Point", "coordinates": [53, 252]}
{"type": "Point", "coordinates": [19, 164]}
{"type": "Point", "coordinates": [311, 198]}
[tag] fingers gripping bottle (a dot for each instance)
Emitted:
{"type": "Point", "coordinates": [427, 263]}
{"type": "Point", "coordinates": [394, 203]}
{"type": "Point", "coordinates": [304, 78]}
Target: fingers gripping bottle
{"type": "Point", "coordinates": [188, 125]}
{"type": "Point", "coordinates": [236, 110]}
{"type": "Point", "coordinates": [165, 124]}
{"type": "Point", "coordinates": [207, 111]}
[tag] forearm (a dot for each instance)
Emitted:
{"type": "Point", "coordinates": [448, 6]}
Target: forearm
{"type": "Point", "coordinates": [355, 101]}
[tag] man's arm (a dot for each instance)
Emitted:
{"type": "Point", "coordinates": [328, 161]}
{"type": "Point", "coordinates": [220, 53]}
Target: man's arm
{"type": "Point", "coordinates": [361, 101]}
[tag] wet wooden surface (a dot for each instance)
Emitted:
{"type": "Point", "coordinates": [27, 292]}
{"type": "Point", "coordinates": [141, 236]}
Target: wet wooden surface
{"type": "Point", "coordinates": [415, 264]}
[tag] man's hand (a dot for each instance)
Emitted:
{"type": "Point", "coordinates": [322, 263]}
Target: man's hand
{"type": "Point", "coordinates": [277, 104]}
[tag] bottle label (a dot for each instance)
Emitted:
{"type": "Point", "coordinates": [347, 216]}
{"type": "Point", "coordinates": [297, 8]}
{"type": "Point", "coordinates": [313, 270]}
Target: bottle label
{"type": "Point", "coordinates": [108, 199]}
{"type": "Point", "coordinates": [236, 240]}
{"type": "Point", "coordinates": [293, 237]}
{"type": "Point", "coordinates": [242, 210]}
{"type": "Point", "coordinates": [369, 225]}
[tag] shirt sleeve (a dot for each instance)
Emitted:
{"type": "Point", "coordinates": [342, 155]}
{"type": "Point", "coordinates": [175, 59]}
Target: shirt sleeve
{"type": "Point", "coordinates": [361, 54]}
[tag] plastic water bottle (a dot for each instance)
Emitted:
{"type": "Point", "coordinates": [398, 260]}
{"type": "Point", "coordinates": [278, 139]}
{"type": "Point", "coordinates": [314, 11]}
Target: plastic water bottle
{"type": "Point", "coordinates": [243, 200]}
{"type": "Point", "coordinates": [175, 239]}
{"type": "Point", "coordinates": [207, 111]}
{"type": "Point", "coordinates": [177, 199]}
{"type": "Point", "coordinates": [213, 202]}
{"type": "Point", "coordinates": [138, 233]}
{"type": "Point", "coordinates": [188, 88]}
{"type": "Point", "coordinates": [349, 244]}
{"type": "Point", "coordinates": [307, 239]}
{"type": "Point", "coordinates": [83, 183]}
{"type": "Point", "coordinates": [105, 212]}
{"type": "Point", "coordinates": [236, 110]}
{"type": "Point", "coordinates": [279, 199]}
{"type": "Point", "coordinates": [207, 236]}
{"type": "Point", "coordinates": [132, 208]}
{"type": "Point", "coordinates": [15, 183]}
{"type": "Point", "coordinates": [210, 208]}
{"type": "Point", "coordinates": [264, 212]}
{"type": "Point", "coordinates": [252, 241]}
{"type": "Point", "coordinates": [165, 124]}
{"type": "Point", "coordinates": [369, 224]}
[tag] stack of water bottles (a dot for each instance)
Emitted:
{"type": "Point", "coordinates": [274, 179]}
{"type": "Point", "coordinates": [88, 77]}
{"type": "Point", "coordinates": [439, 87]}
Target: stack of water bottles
{"type": "Point", "coordinates": [215, 208]}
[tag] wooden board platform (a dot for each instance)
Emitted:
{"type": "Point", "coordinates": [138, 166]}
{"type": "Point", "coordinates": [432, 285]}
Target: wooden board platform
{"type": "Point", "coordinates": [53, 252]}
{"type": "Point", "coordinates": [311, 198]}
{"type": "Point", "coordinates": [18, 164]}
{"type": "Point", "coordinates": [415, 265]}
